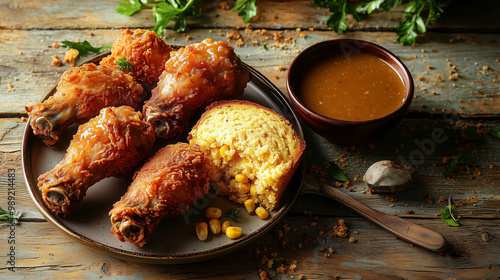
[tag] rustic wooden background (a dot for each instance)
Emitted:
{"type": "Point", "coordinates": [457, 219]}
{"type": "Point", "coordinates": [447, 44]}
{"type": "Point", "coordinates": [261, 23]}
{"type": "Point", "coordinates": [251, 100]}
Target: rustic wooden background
{"type": "Point", "coordinates": [465, 40]}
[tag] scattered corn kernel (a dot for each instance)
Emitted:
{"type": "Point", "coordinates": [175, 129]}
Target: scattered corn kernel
{"type": "Point", "coordinates": [240, 178]}
{"type": "Point", "coordinates": [223, 150]}
{"type": "Point", "coordinates": [213, 213]}
{"type": "Point", "coordinates": [225, 225]}
{"type": "Point", "coordinates": [214, 225]}
{"type": "Point", "coordinates": [233, 232]}
{"type": "Point", "coordinates": [262, 213]}
{"type": "Point", "coordinates": [249, 205]}
{"type": "Point", "coordinates": [202, 231]}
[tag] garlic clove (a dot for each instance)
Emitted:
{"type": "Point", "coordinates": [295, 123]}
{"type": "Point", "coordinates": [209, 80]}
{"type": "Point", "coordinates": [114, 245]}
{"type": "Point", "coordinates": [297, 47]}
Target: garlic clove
{"type": "Point", "coordinates": [387, 176]}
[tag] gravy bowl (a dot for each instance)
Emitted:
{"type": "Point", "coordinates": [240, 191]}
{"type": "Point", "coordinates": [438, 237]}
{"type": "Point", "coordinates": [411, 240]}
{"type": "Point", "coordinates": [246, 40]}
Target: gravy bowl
{"type": "Point", "coordinates": [338, 130]}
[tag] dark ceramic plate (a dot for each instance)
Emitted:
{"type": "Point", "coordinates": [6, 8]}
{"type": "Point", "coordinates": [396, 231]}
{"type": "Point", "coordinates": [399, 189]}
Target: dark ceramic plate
{"type": "Point", "coordinates": [175, 240]}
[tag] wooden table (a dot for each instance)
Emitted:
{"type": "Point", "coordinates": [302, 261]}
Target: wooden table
{"type": "Point", "coordinates": [465, 40]}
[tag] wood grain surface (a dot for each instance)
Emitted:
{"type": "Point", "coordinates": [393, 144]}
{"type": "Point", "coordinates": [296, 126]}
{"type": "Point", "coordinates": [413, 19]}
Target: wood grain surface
{"type": "Point", "coordinates": [465, 40]}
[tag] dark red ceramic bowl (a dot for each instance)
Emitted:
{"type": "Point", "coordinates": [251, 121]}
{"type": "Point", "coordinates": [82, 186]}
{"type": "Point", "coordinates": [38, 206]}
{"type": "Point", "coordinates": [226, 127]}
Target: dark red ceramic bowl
{"type": "Point", "coordinates": [341, 131]}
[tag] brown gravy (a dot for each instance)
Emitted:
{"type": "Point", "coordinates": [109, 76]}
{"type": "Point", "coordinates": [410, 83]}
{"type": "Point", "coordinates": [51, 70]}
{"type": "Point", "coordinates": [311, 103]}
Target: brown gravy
{"type": "Point", "coordinates": [354, 88]}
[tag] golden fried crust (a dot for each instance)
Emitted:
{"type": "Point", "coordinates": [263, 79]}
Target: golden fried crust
{"type": "Point", "coordinates": [111, 144]}
{"type": "Point", "coordinates": [145, 50]}
{"type": "Point", "coordinates": [82, 92]}
{"type": "Point", "coordinates": [166, 186]}
{"type": "Point", "coordinates": [194, 77]}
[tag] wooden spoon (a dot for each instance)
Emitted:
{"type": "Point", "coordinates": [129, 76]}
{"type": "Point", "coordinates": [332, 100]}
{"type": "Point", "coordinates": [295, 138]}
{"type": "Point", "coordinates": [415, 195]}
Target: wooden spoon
{"type": "Point", "coordinates": [403, 229]}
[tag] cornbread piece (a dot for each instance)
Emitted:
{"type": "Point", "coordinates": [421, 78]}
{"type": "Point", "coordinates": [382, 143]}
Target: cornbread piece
{"type": "Point", "coordinates": [170, 182]}
{"type": "Point", "coordinates": [254, 150]}
{"type": "Point", "coordinates": [194, 77]}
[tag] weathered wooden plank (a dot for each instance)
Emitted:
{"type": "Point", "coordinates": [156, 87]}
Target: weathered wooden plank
{"type": "Point", "coordinates": [271, 14]}
{"type": "Point", "coordinates": [42, 252]}
{"type": "Point", "coordinates": [475, 93]}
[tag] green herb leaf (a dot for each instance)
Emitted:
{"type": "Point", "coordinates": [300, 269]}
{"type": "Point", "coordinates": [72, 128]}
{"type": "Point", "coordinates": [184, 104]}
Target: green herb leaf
{"type": "Point", "coordinates": [10, 218]}
{"type": "Point", "coordinates": [447, 216]}
{"type": "Point", "coordinates": [232, 213]}
{"type": "Point", "coordinates": [495, 132]}
{"type": "Point", "coordinates": [124, 64]}
{"type": "Point", "coordinates": [83, 48]}
{"type": "Point", "coordinates": [128, 8]}
{"type": "Point", "coordinates": [265, 47]}
{"type": "Point", "coordinates": [471, 134]}
{"type": "Point", "coordinates": [246, 9]}
{"type": "Point", "coordinates": [368, 7]}
{"type": "Point", "coordinates": [176, 11]}
{"type": "Point", "coordinates": [454, 164]}
{"type": "Point", "coordinates": [335, 171]}
{"type": "Point", "coordinates": [276, 262]}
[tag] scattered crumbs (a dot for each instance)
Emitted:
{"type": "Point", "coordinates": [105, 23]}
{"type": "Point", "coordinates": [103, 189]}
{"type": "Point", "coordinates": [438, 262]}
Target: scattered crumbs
{"type": "Point", "coordinates": [428, 198]}
{"type": "Point", "coordinates": [91, 34]}
{"type": "Point", "coordinates": [352, 239]}
{"type": "Point", "coordinates": [486, 67]}
{"type": "Point", "coordinates": [70, 56]}
{"type": "Point", "coordinates": [430, 67]}
{"type": "Point", "coordinates": [20, 53]}
{"type": "Point", "coordinates": [420, 78]}
{"type": "Point", "coordinates": [55, 61]}
{"type": "Point", "coordinates": [55, 45]}
{"type": "Point", "coordinates": [409, 211]}
{"type": "Point", "coordinates": [280, 68]}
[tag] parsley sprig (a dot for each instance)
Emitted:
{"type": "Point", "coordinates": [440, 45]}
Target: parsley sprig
{"type": "Point", "coordinates": [413, 20]}
{"type": "Point", "coordinates": [10, 218]}
{"type": "Point", "coordinates": [246, 9]}
{"type": "Point", "coordinates": [164, 12]}
{"type": "Point", "coordinates": [232, 213]}
{"type": "Point", "coordinates": [83, 48]}
{"type": "Point", "coordinates": [447, 215]}
{"type": "Point", "coordinates": [454, 164]}
{"type": "Point", "coordinates": [124, 64]}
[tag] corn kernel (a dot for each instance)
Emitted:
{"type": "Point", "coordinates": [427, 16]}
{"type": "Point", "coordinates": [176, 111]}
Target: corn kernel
{"type": "Point", "coordinates": [249, 205]}
{"type": "Point", "coordinates": [233, 232]}
{"type": "Point", "coordinates": [213, 213]}
{"type": "Point", "coordinates": [240, 178]}
{"type": "Point", "coordinates": [214, 225]}
{"type": "Point", "coordinates": [202, 231]}
{"type": "Point", "coordinates": [253, 190]}
{"type": "Point", "coordinates": [225, 225]}
{"type": "Point", "coordinates": [223, 150]}
{"type": "Point", "coordinates": [191, 142]}
{"type": "Point", "coordinates": [262, 213]}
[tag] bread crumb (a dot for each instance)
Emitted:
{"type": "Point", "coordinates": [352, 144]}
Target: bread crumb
{"type": "Point", "coordinates": [70, 56]}
{"type": "Point", "coordinates": [55, 45]}
{"type": "Point", "coordinates": [280, 68]}
{"type": "Point", "coordinates": [352, 239]}
{"type": "Point", "coordinates": [55, 61]}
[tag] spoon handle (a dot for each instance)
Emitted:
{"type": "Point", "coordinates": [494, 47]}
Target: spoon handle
{"type": "Point", "coordinates": [403, 229]}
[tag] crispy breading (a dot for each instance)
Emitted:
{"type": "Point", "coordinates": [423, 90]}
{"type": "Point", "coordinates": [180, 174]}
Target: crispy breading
{"type": "Point", "coordinates": [82, 92]}
{"type": "Point", "coordinates": [166, 186]}
{"type": "Point", "coordinates": [194, 77]}
{"type": "Point", "coordinates": [145, 50]}
{"type": "Point", "coordinates": [111, 144]}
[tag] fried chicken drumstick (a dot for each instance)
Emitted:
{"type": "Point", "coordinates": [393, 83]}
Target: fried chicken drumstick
{"type": "Point", "coordinates": [111, 144]}
{"type": "Point", "coordinates": [145, 50]}
{"type": "Point", "coordinates": [194, 77]}
{"type": "Point", "coordinates": [82, 92]}
{"type": "Point", "coordinates": [166, 186]}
